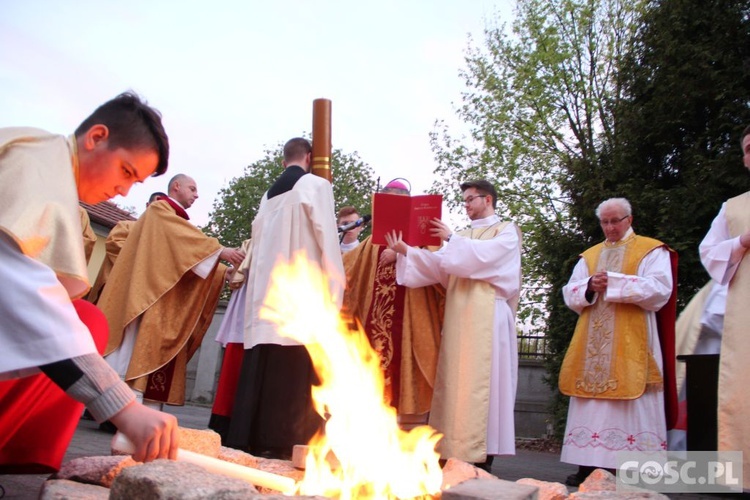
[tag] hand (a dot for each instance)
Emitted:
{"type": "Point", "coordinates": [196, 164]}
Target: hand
{"type": "Point", "coordinates": [232, 255]}
{"type": "Point", "coordinates": [396, 243]}
{"type": "Point", "coordinates": [229, 274]}
{"type": "Point", "coordinates": [598, 282]}
{"type": "Point", "coordinates": [154, 433]}
{"type": "Point", "coordinates": [440, 229]}
{"type": "Point", "coordinates": [387, 257]}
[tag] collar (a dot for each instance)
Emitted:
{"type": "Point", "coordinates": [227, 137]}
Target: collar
{"type": "Point", "coordinates": [628, 234]}
{"type": "Point", "coordinates": [176, 205]}
{"type": "Point", "coordinates": [486, 222]}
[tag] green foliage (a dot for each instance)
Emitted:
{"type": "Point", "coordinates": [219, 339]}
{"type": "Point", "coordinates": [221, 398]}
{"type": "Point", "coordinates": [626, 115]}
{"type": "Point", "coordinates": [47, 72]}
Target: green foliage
{"type": "Point", "coordinates": [237, 204]}
{"type": "Point", "coordinates": [539, 104]}
{"type": "Point", "coordinates": [589, 99]}
{"type": "Point", "coordinates": [686, 80]}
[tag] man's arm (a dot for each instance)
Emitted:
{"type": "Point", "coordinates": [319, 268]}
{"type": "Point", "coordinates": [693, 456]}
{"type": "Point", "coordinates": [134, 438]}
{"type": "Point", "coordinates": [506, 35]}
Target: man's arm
{"type": "Point", "coordinates": [720, 253]}
{"type": "Point", "coordinates": [576, 292]}
{"type": "Point", "coordinates": [650, 289]}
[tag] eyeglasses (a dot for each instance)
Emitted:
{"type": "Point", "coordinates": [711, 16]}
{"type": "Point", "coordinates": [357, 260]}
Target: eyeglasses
{"type": "Point", "coordinates": [469, 199]}
{"type": "Point", "coordinates": [612, 222]}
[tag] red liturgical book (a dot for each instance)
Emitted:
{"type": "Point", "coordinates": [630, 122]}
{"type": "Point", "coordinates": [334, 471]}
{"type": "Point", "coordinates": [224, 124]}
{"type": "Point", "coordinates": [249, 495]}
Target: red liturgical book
{"type": "Point", "coordinates": [409, 214]}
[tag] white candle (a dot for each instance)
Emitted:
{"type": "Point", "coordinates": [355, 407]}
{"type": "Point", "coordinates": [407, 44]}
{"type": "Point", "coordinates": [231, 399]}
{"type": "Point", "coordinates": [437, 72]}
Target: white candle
{"type": "Point", "coordinates": [277, 482]}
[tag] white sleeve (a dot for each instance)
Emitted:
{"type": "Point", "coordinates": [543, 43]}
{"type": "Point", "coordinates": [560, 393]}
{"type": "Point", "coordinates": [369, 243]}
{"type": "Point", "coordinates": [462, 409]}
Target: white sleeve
{"type": "Point", "coordinates": [650, 288]}
{"type": "Point", "coordinates": [574, 293]}
{"type": "Point", "coordinates": [720, 253]}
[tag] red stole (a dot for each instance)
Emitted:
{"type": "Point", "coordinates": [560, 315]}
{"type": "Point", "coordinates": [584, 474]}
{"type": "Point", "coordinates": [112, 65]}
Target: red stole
{"type": "Point", "coordinates": [177, 208]}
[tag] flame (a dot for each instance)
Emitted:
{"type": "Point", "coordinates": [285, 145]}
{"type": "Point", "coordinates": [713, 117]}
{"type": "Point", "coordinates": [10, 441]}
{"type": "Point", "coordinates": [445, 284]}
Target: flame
{"type": "Point", "coordinates": [376, 459]}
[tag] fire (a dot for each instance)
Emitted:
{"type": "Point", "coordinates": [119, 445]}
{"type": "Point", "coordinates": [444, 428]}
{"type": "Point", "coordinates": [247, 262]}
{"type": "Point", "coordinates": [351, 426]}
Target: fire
{"type": "Point", "coordinates": [377, 459]}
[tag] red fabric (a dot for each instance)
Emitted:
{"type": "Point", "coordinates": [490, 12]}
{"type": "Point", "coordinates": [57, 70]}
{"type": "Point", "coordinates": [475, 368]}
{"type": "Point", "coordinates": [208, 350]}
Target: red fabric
{"type": "Point", "coordinates": [666, 319]}
{"type": "Point", "coordinates": [177, 208]}
{"type": "Point", "coordinates": [38, 419]}
{"type": "Point", "coordinates": [386, 318]}
{"type": "Point", "coordinates": [228, 379]}
{"type": "Point", "coordinates": [682, 424]}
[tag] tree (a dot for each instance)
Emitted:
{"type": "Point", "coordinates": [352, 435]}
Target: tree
{"type": "Point", "coordinates": [686, 80]}
{"type": "Point", "coordinates": [539, 106]}
{"type": "Point", "coordinates": [237, 204]}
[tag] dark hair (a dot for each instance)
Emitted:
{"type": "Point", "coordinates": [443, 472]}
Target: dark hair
{"type": "Point", "coordinates": [745, 133]}
{"type": "Point", "coordinates": [347, 210]}
{"type": "Point", "coordinates": [156, 195]}
{"type": "Point", "coordinates": [483, 187]}
{"type": "Point", "coordinates": [132, 125]}
{"type": "Point", "coordinates": [296, 149]}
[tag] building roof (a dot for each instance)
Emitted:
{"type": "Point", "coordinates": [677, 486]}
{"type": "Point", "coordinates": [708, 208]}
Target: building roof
{"type": "Point", "coordinates": [106, 213]}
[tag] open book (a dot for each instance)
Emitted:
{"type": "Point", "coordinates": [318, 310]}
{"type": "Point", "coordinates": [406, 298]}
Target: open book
{"type": "Point", "coordinates": [409, 214]}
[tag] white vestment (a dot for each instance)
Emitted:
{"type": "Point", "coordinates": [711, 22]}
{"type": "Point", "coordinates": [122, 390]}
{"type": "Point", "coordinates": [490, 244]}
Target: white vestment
{"type": "Point", "coordinates": [301, 219]}
{"type": "Point", "coordinates": [232, 329]}
{"type": "Point", "coordinates": [599, 428]}
{"type": "Point", "coordinates": [496, 261]}
{"type": "Point", "coordinates": [721, 255]}
{"type": "Point", "coordinates": [42, 261]}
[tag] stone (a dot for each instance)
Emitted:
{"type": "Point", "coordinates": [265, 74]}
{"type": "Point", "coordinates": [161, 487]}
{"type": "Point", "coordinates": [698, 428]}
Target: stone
{"type": "Point", "coordinates": [206, 441]}
{"type": "Point", "coordinates": [599, 480]}
{"type": "Point", "coordinates": [99, 470]}
{"type": "Point", "coordinates": [238, 457]}
{"type": "Point", "coordinates": [59, 489]}
{"type": "Point", "coordinates": [457, 471]}
{"type": "Point", "coordinates": [602, 484]}
{"type": "Point", "coordinates": [617, 495]}
{"type": "Point", "coordinates": [486, 489]}
{"type": "Point", "coordinates": [280, 467]}
{"type": "Point", "coordinates": [166, 479]}
{"type": "Point", "coordinates": [547, 490]}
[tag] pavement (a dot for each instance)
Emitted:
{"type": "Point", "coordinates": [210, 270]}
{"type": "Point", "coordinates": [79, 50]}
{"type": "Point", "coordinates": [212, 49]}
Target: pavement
{"type": "Point", "coordinates": [90, 441]}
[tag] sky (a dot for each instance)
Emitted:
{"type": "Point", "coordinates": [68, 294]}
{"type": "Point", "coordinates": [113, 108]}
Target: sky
{"type": "Point", "coordinates": [235, 78]}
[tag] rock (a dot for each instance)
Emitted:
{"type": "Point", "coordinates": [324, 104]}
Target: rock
{"type": "Point", "coordinates": [206, 442]}
{"type": "Point", "coordinates": [280, 467]}
{"type": "Point", "coordinates": [165, 479]}
{"type": "Point", "coordinates": [547, 490]}
{"type": "Point", "coordinates": [602, 484]}
{"type": "Point", "coordinates": [100, 470]}
{"type": "Point", "coordinates": [59, 489]}
{"type": "Point", "coordinates": [237, 457]}
{"type": "Point", "coordinates": [599, 480]}
{"type": "Point", "coordinates": [485, 489]}
{"type": "Point", "coordinates": [618, 495]}
{"type": "Point", "coordinates": [457, 471]}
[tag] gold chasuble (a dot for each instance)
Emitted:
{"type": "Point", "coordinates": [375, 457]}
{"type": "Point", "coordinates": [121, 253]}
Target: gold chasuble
{"type": "Point", "coordinates": [608, 357]}
{"type": "Point", "coordinates": [152, 279]}
{"type": "Point", "coordinates": [734, 374]}
{"type": "Point", "coordinates": [402, 324]}
{"type": "Point", "coordinates": [113, 245]}
{"type": "Point", "coordinates": [462, 364]}
{"type": "Point", "coordinates": [89, 236]}
{"type": "Point", "coordinates": [50, 230]}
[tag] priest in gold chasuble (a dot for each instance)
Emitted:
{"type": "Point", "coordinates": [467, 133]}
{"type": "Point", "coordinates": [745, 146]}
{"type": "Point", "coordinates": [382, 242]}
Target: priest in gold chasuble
{"type": "Point", "coordinates": [617, 370]}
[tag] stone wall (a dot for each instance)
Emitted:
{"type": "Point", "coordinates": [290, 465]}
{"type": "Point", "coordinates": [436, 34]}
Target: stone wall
{"type": "Point", "coordinates": [532, 397]}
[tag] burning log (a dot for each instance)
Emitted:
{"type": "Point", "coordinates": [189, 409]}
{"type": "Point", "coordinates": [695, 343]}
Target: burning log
{"type": "Point", "coordinates": [256, 477]}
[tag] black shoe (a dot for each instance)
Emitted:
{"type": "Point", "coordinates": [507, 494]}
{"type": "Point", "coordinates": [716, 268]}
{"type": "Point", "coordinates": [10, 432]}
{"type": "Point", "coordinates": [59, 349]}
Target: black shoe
{"type": "Point", "coordinates": [574, 480]}
{"type": "Point", "coordinates": [486, 465]}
